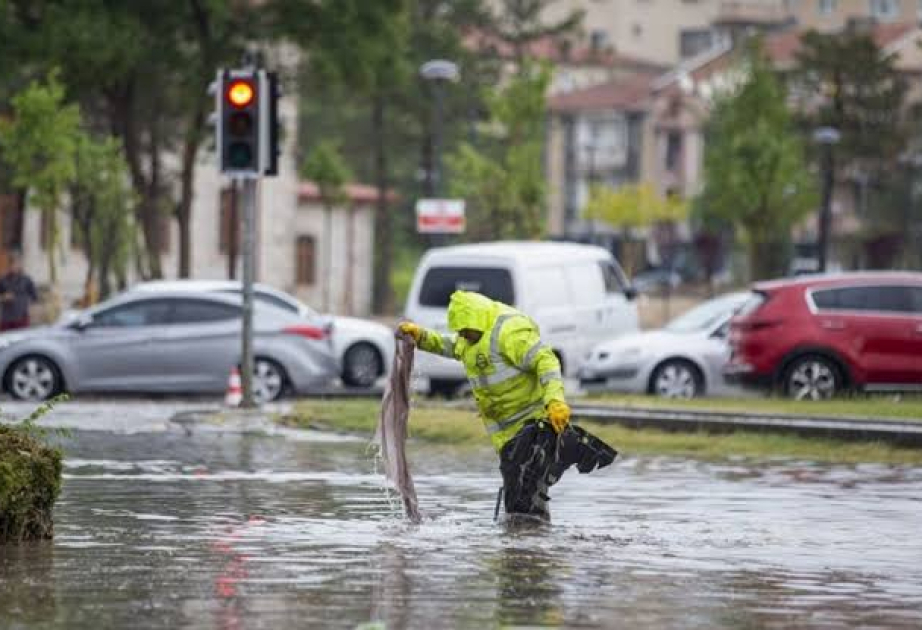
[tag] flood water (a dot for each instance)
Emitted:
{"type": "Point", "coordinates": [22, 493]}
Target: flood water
{"type": "Point", "coordinates": [159, 528]}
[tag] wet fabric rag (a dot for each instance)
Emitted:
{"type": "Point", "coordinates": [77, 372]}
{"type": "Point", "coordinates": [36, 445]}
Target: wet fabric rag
{"type": "Point", "coordinates": [391, 434]}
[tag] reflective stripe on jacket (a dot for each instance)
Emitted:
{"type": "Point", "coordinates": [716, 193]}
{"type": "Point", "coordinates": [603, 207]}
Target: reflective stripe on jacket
{"type": "Point", "coordinates": [512, 373]}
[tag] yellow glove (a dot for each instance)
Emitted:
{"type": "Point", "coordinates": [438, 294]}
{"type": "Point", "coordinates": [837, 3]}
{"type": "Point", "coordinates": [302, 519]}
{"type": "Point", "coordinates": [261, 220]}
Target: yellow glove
{"type": "Point", "coordinates": [409, 328]}
{"type": "Point", "coordinates": [558, 414]}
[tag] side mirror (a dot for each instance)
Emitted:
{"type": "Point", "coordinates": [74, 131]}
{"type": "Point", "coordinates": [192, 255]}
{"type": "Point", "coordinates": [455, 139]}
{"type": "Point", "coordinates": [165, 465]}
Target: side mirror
{"type": "Point", "coordinates": [81, 322]}
{"type": "Point", "coordinates": [630, 293]}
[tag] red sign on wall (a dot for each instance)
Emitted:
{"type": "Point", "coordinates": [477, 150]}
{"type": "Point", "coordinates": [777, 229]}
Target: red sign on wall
{"type": "Point", "coordinates": [440, 216]}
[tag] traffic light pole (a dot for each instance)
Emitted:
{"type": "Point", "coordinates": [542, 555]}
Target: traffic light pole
{"type": "Point", "coordinates": [249, 228]}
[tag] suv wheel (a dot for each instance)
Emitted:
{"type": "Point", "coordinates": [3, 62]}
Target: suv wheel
{"type": "Point", "coordinates": [812, 378]}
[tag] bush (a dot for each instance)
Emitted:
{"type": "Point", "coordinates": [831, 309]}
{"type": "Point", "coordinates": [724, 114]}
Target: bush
{"type": "Point", "coordinates": [30, 481]}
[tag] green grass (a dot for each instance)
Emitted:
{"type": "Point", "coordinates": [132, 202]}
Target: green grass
{"type": "Point", "coordinates": [440, 424]}
{"type": "Point", "coordinates": [866, 406]}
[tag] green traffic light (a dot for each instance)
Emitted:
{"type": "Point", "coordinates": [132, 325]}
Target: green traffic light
{"type": "Point", "coordinates": [239, 155]}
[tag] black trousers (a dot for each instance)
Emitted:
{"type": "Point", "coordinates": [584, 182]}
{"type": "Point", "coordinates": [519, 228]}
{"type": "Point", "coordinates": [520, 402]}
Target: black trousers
{"type": "Point", "coordinates": [536, 458]}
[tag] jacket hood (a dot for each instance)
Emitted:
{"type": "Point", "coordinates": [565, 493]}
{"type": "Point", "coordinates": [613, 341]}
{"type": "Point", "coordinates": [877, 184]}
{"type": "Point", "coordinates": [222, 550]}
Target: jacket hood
{"type": "Point", "coordinates": [470, 310]}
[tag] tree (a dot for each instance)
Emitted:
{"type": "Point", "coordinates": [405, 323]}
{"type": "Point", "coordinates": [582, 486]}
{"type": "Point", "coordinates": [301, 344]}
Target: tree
{"type": "Point", "coordinates": [102, 203]}
{"type": "Point", "coordinates": [503, 181]}
{"type": "Point", "coordinates": [326, 168]}
{"type": "Point", "coordinates": [520, 23]}
{"type": "Point", "coordinates": [39, 144]}
{"type": "Point", "coordinates": [755, 177]}
{"type": "Point", "coordinates": [632, 206]}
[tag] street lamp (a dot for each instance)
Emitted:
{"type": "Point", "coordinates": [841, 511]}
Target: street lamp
{"type": "Point", "coordinates": [826, 137]}
{"type": "Point", "coordinates": [438, 72]}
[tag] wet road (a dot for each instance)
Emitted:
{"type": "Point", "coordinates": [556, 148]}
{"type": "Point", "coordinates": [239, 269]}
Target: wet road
{"type": "Point", "coordinates": [157, 528]}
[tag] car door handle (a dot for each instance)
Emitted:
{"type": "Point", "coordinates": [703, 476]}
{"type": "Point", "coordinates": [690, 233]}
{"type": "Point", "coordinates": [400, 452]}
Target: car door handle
{"type": "Point", "coordinates": [832, 325]}
{"type": "Point", "coordinates": [562, 329]}
{"type": "Point", "coordinates": [919, 329]}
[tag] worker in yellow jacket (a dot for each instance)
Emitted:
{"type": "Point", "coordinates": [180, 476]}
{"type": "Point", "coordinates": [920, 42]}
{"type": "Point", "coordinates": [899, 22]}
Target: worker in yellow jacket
{"type": "Point", "coordinates": [518, 386]}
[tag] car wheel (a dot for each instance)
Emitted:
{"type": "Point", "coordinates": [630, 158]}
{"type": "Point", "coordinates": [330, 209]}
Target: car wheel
{"type": "Point", "coordinates": [676, 378]}
{"type": "Point", "coordinates": [268, 380]}
{"type": "Point", "coordinates": [812, 378]}
{"type": "Point", "coordinates": [33, 378]}
{"type": "Point", "coordinates": [362, 365]}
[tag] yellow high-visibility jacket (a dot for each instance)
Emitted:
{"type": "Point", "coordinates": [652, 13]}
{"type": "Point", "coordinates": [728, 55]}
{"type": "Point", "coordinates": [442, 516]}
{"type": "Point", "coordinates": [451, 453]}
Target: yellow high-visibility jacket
{"type": "Point", "coordinates": [513, 374]}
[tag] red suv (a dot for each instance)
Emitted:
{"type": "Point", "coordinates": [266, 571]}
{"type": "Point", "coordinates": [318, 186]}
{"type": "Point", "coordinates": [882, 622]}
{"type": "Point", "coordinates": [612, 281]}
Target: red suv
{"type": "Point", "coordinates": [812, 337]}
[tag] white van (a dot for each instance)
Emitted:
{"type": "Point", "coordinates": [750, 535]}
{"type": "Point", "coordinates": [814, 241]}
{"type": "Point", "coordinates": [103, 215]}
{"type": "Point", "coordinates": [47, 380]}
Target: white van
{"type": "Point", "coordinates": [577, 294]}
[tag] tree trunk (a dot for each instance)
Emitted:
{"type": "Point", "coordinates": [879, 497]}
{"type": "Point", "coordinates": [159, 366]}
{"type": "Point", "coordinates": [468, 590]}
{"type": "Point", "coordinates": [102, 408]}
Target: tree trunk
{"type": "Point", "coordinates": [382, 296]}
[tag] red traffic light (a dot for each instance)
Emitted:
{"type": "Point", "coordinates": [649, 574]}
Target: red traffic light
{"type": "Point", "coordinates": [240, 93]}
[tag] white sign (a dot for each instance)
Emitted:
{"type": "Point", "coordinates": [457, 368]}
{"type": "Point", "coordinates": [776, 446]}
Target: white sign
{"type": "Point", "coordinates": [440, 216]}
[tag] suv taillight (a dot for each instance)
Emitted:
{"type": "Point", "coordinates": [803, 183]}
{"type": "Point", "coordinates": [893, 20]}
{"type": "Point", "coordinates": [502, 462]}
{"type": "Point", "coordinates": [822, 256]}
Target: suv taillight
{"type": "Point", "coordinates": [308, 332]}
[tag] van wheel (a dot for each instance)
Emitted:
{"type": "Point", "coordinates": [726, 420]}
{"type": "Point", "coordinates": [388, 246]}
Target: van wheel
{"type": "Point", "coordinates": [445, 388]}
{"type": "Point", "coordinates": [812, 377]}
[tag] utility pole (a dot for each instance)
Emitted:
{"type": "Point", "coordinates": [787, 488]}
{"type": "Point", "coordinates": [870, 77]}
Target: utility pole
{"type": "Point", "coordinates": [249, 229]}
{"type": "Point", "coordinates": [247, 143]}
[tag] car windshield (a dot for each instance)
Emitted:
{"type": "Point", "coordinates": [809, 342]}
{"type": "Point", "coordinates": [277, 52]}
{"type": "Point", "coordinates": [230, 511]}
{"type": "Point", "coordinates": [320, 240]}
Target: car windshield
{"type": "Point", "coordinates": [705, 316]}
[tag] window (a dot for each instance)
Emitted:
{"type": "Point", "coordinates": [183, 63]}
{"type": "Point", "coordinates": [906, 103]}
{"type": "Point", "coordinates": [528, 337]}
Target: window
{"type": "Point", "coordinates": [695, 41]}
{"type": "Point", "coordinates": [827, 7]}
{"type": "Point", "coordinates": [883, 9]}
{"type": "Point", "coordinates": [615, 281]}
{"type": "Point", "coordinates": [305, 260]}
{"type": "Point", "coordinates": [893, 299]}
{"type": "Point", "coordinates": [915, 298]}
{"type": "Point", "coordinates": [441, 282]}
{"type": "Point", "coordinates": [673, 150]}
{"type": "Point", "coordinates": [202, 311]}
{"type": "Point", "coordinates": [229, 224]}
{"type": "Point", "coordinates": [146, 313]}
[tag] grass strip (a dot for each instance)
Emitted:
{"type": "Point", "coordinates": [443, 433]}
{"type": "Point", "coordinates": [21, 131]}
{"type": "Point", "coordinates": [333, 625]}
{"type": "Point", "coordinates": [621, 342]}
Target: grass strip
{"type": "Point", "coordinates": [440, 424]}
{"type": "Point", "coordinates": [872, 407]}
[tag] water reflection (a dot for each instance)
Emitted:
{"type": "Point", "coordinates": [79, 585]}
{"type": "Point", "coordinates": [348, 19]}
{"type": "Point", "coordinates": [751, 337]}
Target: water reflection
{"type": "Point", "coordinates": [221, 531]}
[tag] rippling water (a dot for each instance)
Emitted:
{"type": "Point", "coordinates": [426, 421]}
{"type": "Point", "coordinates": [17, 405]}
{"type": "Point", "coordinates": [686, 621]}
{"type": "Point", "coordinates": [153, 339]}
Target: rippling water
{"type": "Point", "coordinates": [162, 529]}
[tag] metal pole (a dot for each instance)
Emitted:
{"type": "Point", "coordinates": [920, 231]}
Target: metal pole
{"type": "Point", "coordinates": [825, 209]}
{"type": "Point", "coordinates": [249, 226]}
{"type": "Point", "coordinates": [437, 239]}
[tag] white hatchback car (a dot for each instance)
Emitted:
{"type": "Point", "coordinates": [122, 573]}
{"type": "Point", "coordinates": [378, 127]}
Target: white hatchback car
{"type": "Point", "coordinates": [684, 359]}
{"type": "Point", "coordinates": [363, 348]}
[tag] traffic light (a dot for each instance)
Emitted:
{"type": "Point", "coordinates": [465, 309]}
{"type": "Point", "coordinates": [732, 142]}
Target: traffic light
{"type": "Point", "coordinates": [240, 95]}
{"type": "Point", "coordinates": [247, 122]}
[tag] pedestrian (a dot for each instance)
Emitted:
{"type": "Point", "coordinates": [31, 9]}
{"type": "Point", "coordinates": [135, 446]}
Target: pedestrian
{"type": "Point", "coordinates": [17, 292]}
{"type": "Point", "coordinates": [518, 385]}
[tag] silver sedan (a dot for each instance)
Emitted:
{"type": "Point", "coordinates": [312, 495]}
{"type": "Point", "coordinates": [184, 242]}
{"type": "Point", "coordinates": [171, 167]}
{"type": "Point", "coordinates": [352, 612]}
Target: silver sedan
{"type": "Point", "coordinates": [179, 342]}
{"type": "Point", "coordinates": [684, 359]}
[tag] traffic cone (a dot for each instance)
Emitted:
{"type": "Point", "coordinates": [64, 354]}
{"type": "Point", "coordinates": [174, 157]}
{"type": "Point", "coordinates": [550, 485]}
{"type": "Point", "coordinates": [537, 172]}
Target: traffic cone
{"type": "Point", "coordinates": [234, 395]}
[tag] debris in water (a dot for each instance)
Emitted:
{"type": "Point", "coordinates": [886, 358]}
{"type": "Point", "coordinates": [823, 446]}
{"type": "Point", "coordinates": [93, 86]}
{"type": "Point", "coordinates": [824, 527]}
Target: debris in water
{"type": "Point", "coordinates": [391, 434]}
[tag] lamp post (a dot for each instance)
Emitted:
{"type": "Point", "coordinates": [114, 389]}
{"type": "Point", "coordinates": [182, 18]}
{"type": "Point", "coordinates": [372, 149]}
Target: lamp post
{"type": "Point", "coordinates": [437, 72]}
{"type": "Point", "coordinates": [826, 137]}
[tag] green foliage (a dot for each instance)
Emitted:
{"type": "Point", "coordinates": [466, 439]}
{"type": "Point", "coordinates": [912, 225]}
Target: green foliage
{"type": "Point", "coordinates": [503, 182]}
{"type": "Point", "coordinates": [755, 177]}
{"type": "Point", "coordinates": [860, 92]}
{"type": "Point", "coordinates": [30, 478]}
{"type": "Point", "coordinates": [38, 144]}
{"type": "Point", "coordinates": [325, 166]}
{"type": "Point", "coordinates": [103, 204]}
{"type": "Point", "coordinates": [633, 205]}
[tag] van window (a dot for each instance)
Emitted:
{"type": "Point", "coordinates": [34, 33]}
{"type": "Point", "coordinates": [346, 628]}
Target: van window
{"type": "Point", "coordinates": [615, 280]}
{"type": "Point", "coordinates": [587, 286]}
{"type": "Point", "coordinates": [441, 282]}
{"type": "Point", "coordinates": [547, 286]}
